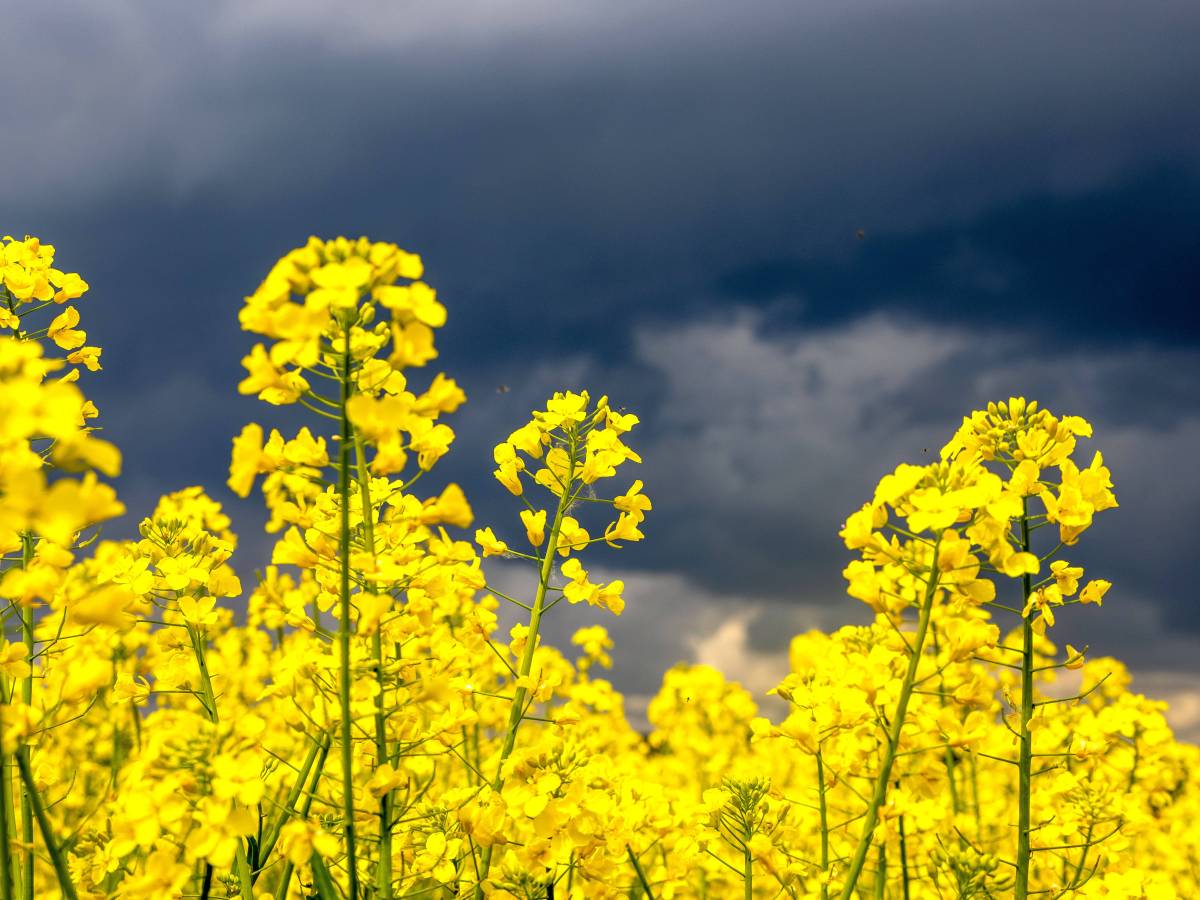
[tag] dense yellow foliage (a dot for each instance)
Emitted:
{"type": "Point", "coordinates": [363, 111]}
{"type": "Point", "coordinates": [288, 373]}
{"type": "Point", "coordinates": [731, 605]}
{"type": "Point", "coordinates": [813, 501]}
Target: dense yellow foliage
{"type": "Point", "coordinates": [359, 726]}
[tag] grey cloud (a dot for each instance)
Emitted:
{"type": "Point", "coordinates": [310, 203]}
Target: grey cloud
{"type": "Point", "coordinates": [762, 443]}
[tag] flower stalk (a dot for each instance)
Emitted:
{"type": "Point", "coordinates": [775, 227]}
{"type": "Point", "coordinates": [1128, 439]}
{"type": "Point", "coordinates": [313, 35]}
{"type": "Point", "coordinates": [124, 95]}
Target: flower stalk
{"type": "Point", "coordinates": [883, 777]}
{"type": "Point", "coordinates": [517, 710]}
{"type": "Point", "coordinates": [1025, 752]}
{"type": "Point", "coordinates": [383, 878]}
{"type": "Point", "coordinates": [823, 806]}
{"type": "Point", "coordinates": [344, 621]}
{"type": "Point", "coordinates": [57, 858]}
{"type": "Point", "coordinates": [27, 550]}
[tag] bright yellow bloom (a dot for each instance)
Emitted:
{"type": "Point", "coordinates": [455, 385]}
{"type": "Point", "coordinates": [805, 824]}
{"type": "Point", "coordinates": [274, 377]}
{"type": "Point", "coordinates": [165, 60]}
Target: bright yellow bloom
{"type": "Point", "coordinates": [535, 525]}
{"type": "Point", "coordinates": [490, 544]}
{"type": "Point", "coordinates": [63, 332]}
{"type": "Point", "coordinates": [634, 501]}
{"type": "Point", "coordinates": [571, 536]}
{"type": "Point", "coordinates": [1094, 591]}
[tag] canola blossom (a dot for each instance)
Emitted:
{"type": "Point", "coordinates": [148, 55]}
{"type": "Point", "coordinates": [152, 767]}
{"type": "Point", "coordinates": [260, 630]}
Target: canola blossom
{"type": "Point", "coordinates": [357, 724]}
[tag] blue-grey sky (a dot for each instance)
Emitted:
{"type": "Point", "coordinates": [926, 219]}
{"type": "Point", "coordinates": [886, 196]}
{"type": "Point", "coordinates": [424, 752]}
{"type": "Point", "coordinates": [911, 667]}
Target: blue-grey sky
{"type": "Point", "coordinates": [800, 240]}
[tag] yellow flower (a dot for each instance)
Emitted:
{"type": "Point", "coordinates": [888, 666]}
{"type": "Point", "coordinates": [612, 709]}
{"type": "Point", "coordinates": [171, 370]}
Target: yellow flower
{"type": "Point", "coordinates": [14, 660]}
{"type": "Point", "coordinates": [132, 689]}
{"type": "Point", "coordinates": [247, 459]}
{"type": "Point", "coordinates": [300, 838]}
{"type": "Point", "coordinates": [450, 506]}
{"type": "Point", "coordinates": [634, 501]}
{"type": "Point", "coordinates": [89, 357]}
{"type": "Point", "coordinates": [70, 287]}
{"type": "Point", "coordinates": [1094, 591]}
{"type": "Point", "coordinates": [963, 732]}
{"type": "Point", "coordinates": [1043, 601]}
{"type": "Point", "coordinates": [571, 536]}
{"type": "Point", "coordinates": [491, 545]}
{"type": "Point", "coordinates": [578, 588]}
{"type": "Point", "coordinates": [535, 525]}
{"type": "Point", "coordinates": [63, 332]}
{"type": "Point", "coordinates": [1075, 658]}
{"type": "Point", "coordinates": [416, 301]}
{"type": "Point", "coordinates": [199, 611]}
{"type": "Point", "coordinates": [610, 597]}
{"type": "Point", "coordinates": [1066, 576]}
{"type": "Point", "coordinates": [624, 529]}
{"type": "Point", "coordinates": [339, 284]}
{"type": "Point", "coordinates": [70, 506]}
{"type": "Point", "coordinates": [271, 383]}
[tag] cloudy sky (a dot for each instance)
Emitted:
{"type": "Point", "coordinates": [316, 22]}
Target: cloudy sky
{"type": "Point", "coordinates": [800, 240]}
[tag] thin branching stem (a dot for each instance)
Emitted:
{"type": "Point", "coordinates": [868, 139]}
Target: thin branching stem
{"type": "Point", "coordinates": [883, 777]}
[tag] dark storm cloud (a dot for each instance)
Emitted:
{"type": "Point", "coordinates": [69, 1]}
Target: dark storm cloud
{"type": "Point", "coordinates": [1063, 267]}
{"type": "Point", "coordinates": [609, 161]}
{"type": "Point", "coordinates": [658, 200]}
{"type": "Point", "coordinates": [765, 440]}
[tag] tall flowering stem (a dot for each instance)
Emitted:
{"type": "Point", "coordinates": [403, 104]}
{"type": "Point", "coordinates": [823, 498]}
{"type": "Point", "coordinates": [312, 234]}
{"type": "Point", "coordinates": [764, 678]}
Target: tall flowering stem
{"type": "Point", "coordinates": [43, 431]}
{"type": "Point", "coordinates": [53, 849]}
{"type": "Point", "coordinates": [823, 811]}
{"type": "Point", "coordinates": [519, 707]}
{"type": "Point", "coordinates": [6, 811]}
{"type": "Point", "coordinates": [1025, 751]}
{"type": "Point", "coordinates": [383, 875]}
{"type": "Point", "coordinates": [321, 304]}
{"type": "Point", "coordinates": [22, 754]}
{"type": "Point", "coordinates": [1027, 443]}
{"type": "Point", "coordinates": [208, 697]}
{"type": "Point", "coordinates": [578, 446]}
{"type": "Point", "coordinates": [883, 776]}
{"type": "Point", "coordinates": [345, 625]}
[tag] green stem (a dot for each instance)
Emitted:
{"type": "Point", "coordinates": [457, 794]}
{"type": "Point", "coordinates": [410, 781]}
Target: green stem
{"type": "Point", "coordinates": [383, 873]}
{"type": "Point", "coordinates": [824, 807]}
{"type": "Point", "coordinates": [39, 811]}
{"type": "Point", "coordinates": [285, 879]}
{"type": "Point", "coordinates": [517, 711]}
{"type": "Point", "coordinates": [903, 858]}
{"type": "Point", "coordinates": [1025, 755]}
{"type": "Point", "coordinates": [23, 750]}
{"type": "Point", "coordinates": [975, 798]}
{"type": "Point", "coordinates": [881, 873]}
{"type": "Point", "coordinates": [747, 873]}
{"type": "Point", "coordinates": [207, 695]}
{"type": "Point", "coordinates": [241, 864]}
{"type": "Point", "coordinates": [118, 755]}
{"type": "Point", "coordinates": [637, 867]}
{"type": "Point", "coordinates": [951, 767]}
{"type": "Point", "coordinates": [1073, 882]}
{"type": "Point", "coordinates": [6, 811]}
{"type": "Point", "coordinates": [293, 797]}
{"type": "Point", "coordinates": [241, 867]}
{"type": "Point", "coordinates": [871, 818]}
{"type": "Point", "coordinates": [344, 621]}
{"type": "Point", "coordinates": [1137, 731]}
